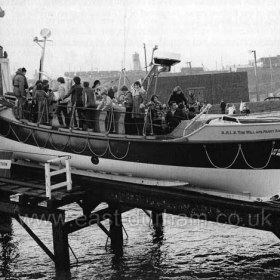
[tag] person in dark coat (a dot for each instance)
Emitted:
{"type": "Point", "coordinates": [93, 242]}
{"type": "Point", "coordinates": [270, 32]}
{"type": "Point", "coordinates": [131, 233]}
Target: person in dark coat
{"type": "Point", "coordinates": [223, 106]}
{"type": "Point", "coordinates": [174, 116]}
{"type": "Point", "coordinates": [20, 86]}
{"type": "Point", "coordinates": [89, 101]}
{"type": "Point", "coordinates": [41, 98]}
{"type": "Point", "coordinates": [178, 96]}
{"type": "Point", "coordinates": [155, 107]}
{"type": "Point", "coordinates": [76, 93]}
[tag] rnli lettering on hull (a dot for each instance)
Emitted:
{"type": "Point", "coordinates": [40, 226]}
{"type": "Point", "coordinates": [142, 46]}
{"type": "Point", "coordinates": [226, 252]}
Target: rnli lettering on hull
{"type": "Point", "coordinates": [235, 133]}
{"type": "Point", "coordinates": [265, 131]}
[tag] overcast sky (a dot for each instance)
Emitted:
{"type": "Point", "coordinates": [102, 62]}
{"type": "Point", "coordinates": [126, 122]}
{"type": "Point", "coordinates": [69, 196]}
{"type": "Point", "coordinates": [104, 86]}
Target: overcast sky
{"type": "Point", "coordinates": [94, 34]}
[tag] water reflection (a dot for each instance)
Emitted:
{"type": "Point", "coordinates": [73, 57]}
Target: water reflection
{"type": "Point", "coordinates": [134, 263]}
{"type": "Point", "coordinates": [9, 248]}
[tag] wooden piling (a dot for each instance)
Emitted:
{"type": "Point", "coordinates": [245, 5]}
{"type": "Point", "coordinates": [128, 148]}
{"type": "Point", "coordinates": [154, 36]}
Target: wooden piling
{"type": "Point", "coordinates": [61, 251]}
{"type": "Point", "coordinates": [116, 232]}
{"type": "Point", "coordinates": [157, 218]}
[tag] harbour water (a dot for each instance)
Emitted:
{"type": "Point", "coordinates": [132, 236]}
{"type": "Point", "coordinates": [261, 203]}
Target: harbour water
{"type": "Point", "coordinates": [182, 249]}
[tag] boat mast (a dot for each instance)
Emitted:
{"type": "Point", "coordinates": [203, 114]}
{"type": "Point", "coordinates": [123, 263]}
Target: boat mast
{"type": "Point", "coordinates": [45, 33]}
{"type": "Point", "coordinates": [145, 54]}
{"type": "Point", "coordinates": [124, 44]}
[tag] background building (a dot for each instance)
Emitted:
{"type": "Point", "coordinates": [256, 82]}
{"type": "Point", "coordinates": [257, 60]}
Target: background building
{"type": "Point", "coordinates": [136, 62]}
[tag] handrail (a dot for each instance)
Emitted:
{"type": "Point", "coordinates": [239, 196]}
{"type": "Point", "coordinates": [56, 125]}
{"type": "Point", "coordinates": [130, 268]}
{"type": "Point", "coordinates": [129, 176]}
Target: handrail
{"type": "Point", "coordinates": [49, 174]}
{"type": "Point", "coordinates": [207, 107]}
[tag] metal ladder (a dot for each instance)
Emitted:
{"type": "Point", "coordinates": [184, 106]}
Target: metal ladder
{"type": "Point", "coordinates": [49, 174]}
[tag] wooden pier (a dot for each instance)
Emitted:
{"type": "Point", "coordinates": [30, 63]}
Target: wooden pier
{"type": "Point", "coordinates": [88, 193]}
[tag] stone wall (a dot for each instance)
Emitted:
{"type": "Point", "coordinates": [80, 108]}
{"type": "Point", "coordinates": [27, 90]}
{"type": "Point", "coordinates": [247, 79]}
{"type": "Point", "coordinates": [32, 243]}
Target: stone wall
{"type": "Point", "coordinates": [208, 88]}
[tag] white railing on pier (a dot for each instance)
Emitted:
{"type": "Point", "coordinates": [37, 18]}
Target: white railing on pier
{"type": "Point", "coordinates": [49, 174]}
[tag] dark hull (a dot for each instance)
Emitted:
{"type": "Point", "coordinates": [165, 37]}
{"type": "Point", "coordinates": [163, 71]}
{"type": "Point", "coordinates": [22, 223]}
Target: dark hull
{"type": "Point", "coordinates": [159, 151]}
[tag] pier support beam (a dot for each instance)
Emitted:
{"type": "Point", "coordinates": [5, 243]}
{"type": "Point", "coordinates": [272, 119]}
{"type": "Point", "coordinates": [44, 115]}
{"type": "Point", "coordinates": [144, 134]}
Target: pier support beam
{"type": "Point", "coordinates": [5, 220]}
{"type": "Point", "coordinates": [116, 232]}
{"type": "Point", "coordinates": [61, 252]}
{"type": "Point", "coordinates": [157, 218]}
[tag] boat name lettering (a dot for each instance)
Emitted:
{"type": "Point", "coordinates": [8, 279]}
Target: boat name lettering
{"type": "Point", "coordinates": [265, 131]}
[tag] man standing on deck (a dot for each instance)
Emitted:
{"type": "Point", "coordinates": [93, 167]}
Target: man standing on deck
{"type": "Point", "coordinates": [223, 107]}
{"type": "Point", "coordinates": [20, 86]}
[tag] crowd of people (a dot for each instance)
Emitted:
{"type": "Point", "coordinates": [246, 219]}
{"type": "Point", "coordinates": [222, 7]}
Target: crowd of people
{"type": "Point", "coordinates": [76, 107]}
{"type": "Point", "coordinates": [230, 108]}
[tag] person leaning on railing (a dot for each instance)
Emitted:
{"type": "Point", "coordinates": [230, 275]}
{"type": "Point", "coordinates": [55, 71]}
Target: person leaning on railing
{"type": "Point", "coordinates": [106, 102]}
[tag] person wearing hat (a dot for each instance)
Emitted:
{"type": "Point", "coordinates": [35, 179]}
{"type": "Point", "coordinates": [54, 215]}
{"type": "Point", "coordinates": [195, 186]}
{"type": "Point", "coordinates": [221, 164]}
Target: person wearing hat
{"type": "Point", "coordinates": [20, 85]}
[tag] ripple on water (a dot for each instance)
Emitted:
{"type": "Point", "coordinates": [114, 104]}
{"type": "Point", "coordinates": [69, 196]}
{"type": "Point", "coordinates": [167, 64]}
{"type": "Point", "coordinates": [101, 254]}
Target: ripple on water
{"type": "Point", "coordinates": [181, 249]}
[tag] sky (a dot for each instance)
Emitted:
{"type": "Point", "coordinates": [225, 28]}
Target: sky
{"type": "Point", "coordinates": [103, 35]}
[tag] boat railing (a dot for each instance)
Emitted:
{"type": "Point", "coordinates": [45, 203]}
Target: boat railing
{"type": "Point", "coordinates": [195, 123]}
{"type": "Point", "coordinates": [116, 120]}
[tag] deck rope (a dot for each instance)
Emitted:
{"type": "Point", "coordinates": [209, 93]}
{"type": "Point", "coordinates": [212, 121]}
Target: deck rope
{"type": "Point", "coordinates": [95, 154]}
{"type": "Point", "coordinates": [122, 157]}
{"type": "Point", "coordinates": [57, 149]}
{"type": "Point", "coordinates": [36, 142]}
{"type": "Point", "coordinates": [75, 151]}
{"type": "Point", "coordinates": [24, 141]}
{"type": "Point", "coordinates": [257, 168]}
{"type": "Point", "coordinates": [5, 135]}
{"type": "Point", "coordinates": [224, 167]}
